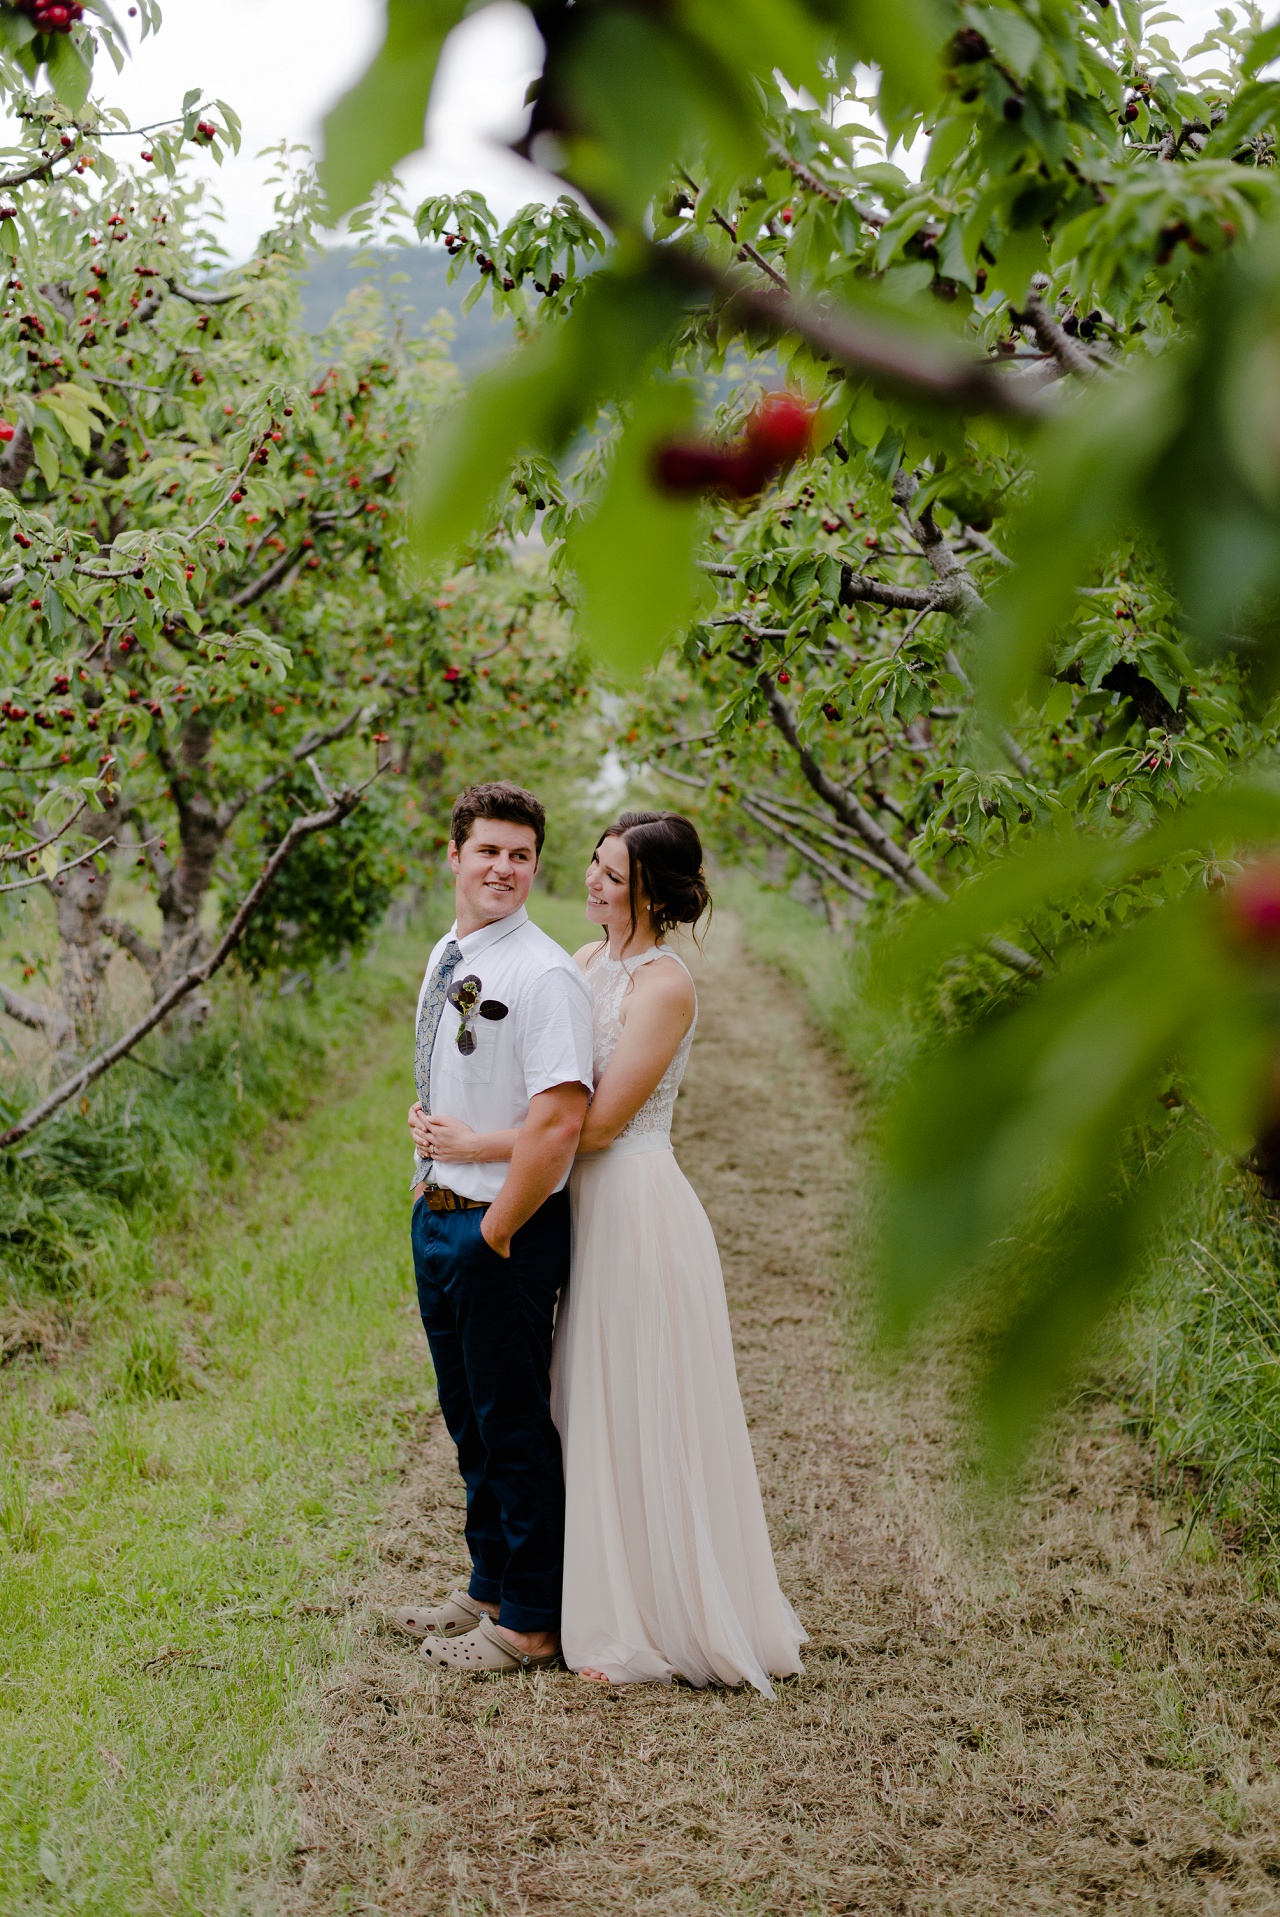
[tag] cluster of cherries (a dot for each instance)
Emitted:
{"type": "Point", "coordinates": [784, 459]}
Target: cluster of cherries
{"type": "Point", "coordinates": [777, 433]}
{"type": "Point", "coordinates": [53, 16]}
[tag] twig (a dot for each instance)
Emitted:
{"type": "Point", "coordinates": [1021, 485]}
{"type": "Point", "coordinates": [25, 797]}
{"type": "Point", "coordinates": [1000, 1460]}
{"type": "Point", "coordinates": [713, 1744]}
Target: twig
{"type": "Point", "coordinates": [15, 858]}
{"type": "Point", "coordinates": [807, 853]}
{"type": "Point", "coordinates": [48, 878]}
{"type": "Point", "coordinates": [847, 847]}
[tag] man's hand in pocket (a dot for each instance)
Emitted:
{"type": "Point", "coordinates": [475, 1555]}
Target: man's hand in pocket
{"type": "Point", "coordinates": [500, 1245]}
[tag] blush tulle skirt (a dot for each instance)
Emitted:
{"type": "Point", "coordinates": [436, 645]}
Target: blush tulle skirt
{"type": "Point", "coordinates": [668, 1566]}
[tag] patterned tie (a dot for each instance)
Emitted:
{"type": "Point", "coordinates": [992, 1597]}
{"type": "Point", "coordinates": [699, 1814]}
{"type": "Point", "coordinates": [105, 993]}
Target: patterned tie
{"type": "Point", "coordinates": [434, 1000]}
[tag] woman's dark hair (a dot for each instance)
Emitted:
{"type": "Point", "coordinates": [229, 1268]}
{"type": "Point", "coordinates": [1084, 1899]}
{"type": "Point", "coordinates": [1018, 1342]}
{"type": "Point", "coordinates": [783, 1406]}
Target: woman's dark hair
{"type": "Point", "coordinates": [665, 865]}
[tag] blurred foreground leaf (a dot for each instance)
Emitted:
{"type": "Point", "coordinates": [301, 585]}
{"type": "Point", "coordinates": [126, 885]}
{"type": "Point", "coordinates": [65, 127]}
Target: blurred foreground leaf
{"type": "Point", "coordinates": [381, 119]}
{"type": "Point", "coordinates": [536, 401]}
{"type": "Point", "coordinates": [635, 556]}
{"type": "Point", "coordinates": [1024, 1131]}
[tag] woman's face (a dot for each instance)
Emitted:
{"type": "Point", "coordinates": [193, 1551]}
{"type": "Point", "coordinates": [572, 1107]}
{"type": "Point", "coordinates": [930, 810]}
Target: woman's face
{"type": "Point", "coordinates": [609, 885]}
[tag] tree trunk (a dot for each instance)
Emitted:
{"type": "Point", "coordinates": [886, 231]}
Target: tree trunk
{"type": "Point", "coordinates": [81, 897]}
{"type": "Point", "coordinates": [201, 831]}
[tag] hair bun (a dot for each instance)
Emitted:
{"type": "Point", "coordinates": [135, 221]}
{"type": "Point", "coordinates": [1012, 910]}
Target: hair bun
{"type": "Point", "coordinates": [666, 857]}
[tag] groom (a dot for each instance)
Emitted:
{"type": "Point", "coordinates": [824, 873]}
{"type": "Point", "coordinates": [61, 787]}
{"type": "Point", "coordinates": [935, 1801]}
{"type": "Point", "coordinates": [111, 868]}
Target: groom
{"type": "Point", "coordinates": [503, 1042]}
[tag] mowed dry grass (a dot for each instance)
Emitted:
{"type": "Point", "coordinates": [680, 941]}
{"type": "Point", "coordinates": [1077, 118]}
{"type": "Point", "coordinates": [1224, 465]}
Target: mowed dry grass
{"type": "Point", "coordinates": [1079, 1719]}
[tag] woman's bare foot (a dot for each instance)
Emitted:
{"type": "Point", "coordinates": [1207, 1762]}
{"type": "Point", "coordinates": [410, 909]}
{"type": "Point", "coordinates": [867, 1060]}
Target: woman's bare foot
{"type": "Point", "coordinates": [595, 1677]}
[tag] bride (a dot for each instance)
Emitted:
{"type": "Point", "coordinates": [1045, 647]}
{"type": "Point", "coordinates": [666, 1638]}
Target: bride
{"type": "Point", "coordinates": [668, 1568]}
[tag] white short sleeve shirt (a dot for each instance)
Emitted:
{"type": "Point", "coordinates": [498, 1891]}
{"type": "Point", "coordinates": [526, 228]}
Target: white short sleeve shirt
{"type": "Point", "coordinates": [541, 1037]}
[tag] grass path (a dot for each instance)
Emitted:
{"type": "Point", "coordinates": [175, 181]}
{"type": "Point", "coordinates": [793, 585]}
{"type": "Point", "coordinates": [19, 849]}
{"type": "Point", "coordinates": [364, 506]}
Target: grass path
{"type": "Point", "coordinates": [1081, 1721]}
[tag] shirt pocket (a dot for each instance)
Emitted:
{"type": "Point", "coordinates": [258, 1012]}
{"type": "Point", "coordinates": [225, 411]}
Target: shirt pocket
{"type": "Point", "coordinates": [476, 1068]}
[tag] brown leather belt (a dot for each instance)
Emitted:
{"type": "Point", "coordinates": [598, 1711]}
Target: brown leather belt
{"type": "Point", "coordinates": [440, 1198]}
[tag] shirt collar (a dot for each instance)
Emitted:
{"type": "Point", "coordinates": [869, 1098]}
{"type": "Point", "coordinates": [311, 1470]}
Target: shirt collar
{"type": "Point", "coordinates": [479, 941]}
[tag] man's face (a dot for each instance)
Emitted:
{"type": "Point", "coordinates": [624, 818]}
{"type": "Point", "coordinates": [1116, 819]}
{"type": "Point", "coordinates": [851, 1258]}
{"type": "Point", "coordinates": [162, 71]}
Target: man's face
{"type": "Point", "coordinates": [493, 871]}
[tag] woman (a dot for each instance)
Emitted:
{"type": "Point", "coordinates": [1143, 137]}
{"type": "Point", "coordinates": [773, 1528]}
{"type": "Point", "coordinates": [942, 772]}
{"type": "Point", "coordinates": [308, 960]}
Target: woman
{"type": "Point", "coordinates": [668, 1568]}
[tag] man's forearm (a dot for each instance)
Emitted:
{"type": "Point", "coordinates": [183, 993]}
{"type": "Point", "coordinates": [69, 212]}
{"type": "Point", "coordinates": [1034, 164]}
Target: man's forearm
{"type": "Point", "coordinates": [540, 1157]}
{"type": "Point", "coordinates": [538, 1163]}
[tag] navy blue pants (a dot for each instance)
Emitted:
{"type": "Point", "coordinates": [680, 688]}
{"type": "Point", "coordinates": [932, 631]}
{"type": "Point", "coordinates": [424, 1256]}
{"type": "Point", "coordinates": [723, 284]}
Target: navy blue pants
{"type": "Point", "coordinates": [488, 1321]}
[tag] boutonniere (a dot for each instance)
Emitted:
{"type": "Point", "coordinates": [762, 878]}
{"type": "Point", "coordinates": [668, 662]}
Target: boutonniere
{"type": "Point", "coordinates": [464, 996]}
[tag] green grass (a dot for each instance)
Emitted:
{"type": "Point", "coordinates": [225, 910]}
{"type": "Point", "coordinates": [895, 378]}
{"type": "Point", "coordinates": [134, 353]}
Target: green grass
{"type": "Point", "coordinates": [1201, 1366]}
{"type": "Point", "coordinates": [174, 1493]}
{"type": "Point", "coordinates": [208, 1460]}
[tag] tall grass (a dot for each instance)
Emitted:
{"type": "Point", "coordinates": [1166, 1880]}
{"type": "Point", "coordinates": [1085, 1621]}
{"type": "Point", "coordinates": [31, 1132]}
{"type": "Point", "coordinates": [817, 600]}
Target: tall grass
{"type": "Point", "coordinates": [1200, 1364]}
{"type": "Point", "coordinates": [78, 1204]}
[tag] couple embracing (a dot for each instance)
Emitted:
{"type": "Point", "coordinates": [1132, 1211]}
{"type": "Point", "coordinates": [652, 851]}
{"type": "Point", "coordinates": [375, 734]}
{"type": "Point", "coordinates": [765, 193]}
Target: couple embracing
{"type": "Point", "coordinates": [569, 1282]}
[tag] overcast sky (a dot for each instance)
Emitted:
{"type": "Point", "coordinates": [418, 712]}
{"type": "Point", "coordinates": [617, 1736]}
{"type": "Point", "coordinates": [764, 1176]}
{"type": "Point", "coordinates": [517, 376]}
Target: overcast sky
{"type": "Point", "coordinates": [281, 66]}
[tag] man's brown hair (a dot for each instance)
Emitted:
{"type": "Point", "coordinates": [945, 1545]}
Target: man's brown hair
{"type": "Point", "coordinates": [497, 800]}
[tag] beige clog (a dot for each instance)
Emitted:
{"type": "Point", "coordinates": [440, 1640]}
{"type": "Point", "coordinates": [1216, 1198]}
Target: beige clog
{"type": "Point", "coordinates": [457, 1614]}
{"type": "Point", "coordinates": [484, 1649]}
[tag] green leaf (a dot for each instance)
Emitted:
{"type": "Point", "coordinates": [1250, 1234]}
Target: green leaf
{"type": "Point", "coordinates": [382, 118]}
{"type": "Point", "coordinates": [1089, 467]}
{"type": "Point", "coordinates": [536, 401]}
{"type": "Point", "coordinates": [645, 99]}
{"type": "Point", "coordinates": [70, 71]}
{"type": "Point", "coordinates": [1023, 252]}
{"type": "Point", "coordinates": [1057, 705]}
{"type": "Point", "coordinates": [17, 30]}
{"type": "Point", "coordinates": [904, 39]}
{"type": "Point", "coordinates": [1031, 1109]}
{"type": "Point", "coordinates": [46, 458]}
{"type": "Point", "coordinates": [1077, 1269]}
{"type": "Point", "coordinates": [1262, 49]}
{"type": "Point", "coordinates": [634, 556]}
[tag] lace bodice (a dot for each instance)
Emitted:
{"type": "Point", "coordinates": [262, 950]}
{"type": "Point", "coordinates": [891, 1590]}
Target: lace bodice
{"type": "Point", "coordinates": [609, 978]}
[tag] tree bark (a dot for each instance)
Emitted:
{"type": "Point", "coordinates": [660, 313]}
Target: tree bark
{"type": "Point", "coordinates": [80, 896]}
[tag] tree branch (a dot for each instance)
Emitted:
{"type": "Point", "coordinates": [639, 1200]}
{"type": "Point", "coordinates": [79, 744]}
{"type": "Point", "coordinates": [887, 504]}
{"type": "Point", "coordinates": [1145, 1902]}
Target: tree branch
{"type": "Point", "coordinates": [94, 1068]}
{"type": "Point", "coordinates": [262, 585]}
{"type": "Point", "coordinates": [923, 368]}
{"type": "Point", "coordinates": [203, 299]}
{"type": "Point", "coordinates": [49, 1019]}
{"type": "Point", "coordinates": [807, 853]}
{"type": "Point", "coordinates": [1049, 336]}
{"type": "Point", "coordinates": [908, 875]}
{"type": "Point", "coordinates": [956, 594]}
{"type": "Point", "coordinates": [130, 940]}
{"type": "Point", "coordinates": [855, 588]}
{"type": "Point", "coordinates": [230, 811]}
{"type": "Point", "coordinates": [803, 821]}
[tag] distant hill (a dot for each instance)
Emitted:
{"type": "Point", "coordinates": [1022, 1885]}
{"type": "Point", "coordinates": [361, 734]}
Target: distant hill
{"type": "Point", "coordinates": [413, 276]}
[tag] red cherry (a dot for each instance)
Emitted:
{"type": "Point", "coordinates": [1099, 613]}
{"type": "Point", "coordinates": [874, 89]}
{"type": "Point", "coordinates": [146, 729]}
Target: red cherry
{"type": "Point", "coordinates": [780, 429]}
{"type": "Point", "coordinates": [784, 678]}
{"type": "Point", "coordinates": [6, 431]}
{"type": "Point", "coordinates": [1253, 906]}
{"type": "Point", "coordinates": [688, 467]}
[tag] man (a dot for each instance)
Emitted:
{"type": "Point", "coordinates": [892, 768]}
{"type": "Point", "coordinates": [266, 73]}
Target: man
{"type": "Point", "coordinates": [503, 1041]}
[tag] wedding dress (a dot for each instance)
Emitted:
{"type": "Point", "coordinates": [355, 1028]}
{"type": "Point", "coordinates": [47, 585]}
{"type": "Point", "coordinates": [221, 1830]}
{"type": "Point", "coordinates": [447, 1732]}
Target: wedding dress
{"type": "Point", "coordinates": [668, 1567]}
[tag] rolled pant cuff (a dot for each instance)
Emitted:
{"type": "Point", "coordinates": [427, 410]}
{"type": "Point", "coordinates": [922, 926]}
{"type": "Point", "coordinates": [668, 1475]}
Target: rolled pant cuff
{"type": "Point", "coordinates": [484, 1590]}
{"type": "Point", "coordinates": [523, 1617]}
